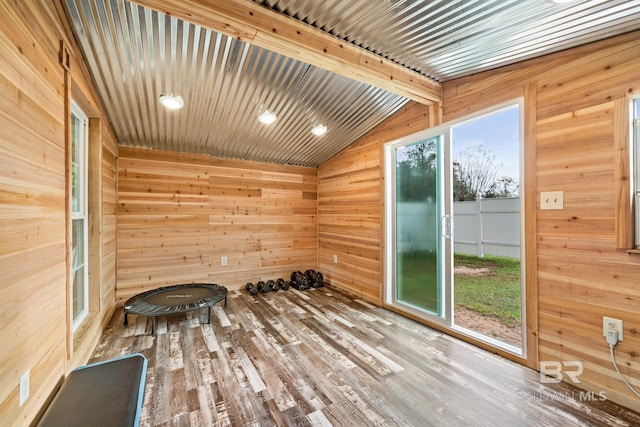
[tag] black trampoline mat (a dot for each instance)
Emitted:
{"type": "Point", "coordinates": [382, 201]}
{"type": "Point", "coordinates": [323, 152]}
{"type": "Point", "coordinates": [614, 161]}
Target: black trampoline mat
{"type": "Point", "coordinates": [182, 295]}
{"type": "Point", "coordinates": [175, 299]}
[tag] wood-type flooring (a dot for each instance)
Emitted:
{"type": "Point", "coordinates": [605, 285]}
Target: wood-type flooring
{"type": "Point", "coordinates": [326, 358]}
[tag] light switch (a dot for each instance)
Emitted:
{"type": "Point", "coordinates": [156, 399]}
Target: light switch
{"type": "Point", "coordinates": [552, 200]}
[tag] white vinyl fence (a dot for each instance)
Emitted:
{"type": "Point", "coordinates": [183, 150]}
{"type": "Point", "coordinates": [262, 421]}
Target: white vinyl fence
{"type": "Point", "coordinates": [487, 227]}
{"type": "Point", "coordinates": [483, 227]}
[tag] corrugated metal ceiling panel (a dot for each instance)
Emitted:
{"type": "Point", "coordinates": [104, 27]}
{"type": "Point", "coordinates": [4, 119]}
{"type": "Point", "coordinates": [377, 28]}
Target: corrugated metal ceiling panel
{"type": "Point", "coordinates": [136, 54]}
{"type": "Point", "coordinates": [449, 39]}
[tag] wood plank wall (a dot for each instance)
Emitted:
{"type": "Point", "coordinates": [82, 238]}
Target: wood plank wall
{"type": "Point", "coordinates": [579, 272]}
{"type": "Point", "coordinates": [179, 214]}
{"type": "Point", "coordinates": [350, 206]}
{"type": "Point", "coordinates": [581, 275]}
{"type": "Point", "coordinates": [109, 221]}
{"type": "Point", "coordinates": [33, 305]}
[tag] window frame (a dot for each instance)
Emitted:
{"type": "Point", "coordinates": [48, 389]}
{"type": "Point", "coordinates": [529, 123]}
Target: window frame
{"type": "Point", "coordinates": [79, 212]}
{"type": "Point", "coordinates": [635, 155]}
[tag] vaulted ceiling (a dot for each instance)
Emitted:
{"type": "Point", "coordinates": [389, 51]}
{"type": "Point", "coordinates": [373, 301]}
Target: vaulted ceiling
{"type": "Point", "coordinates": [345, 64]}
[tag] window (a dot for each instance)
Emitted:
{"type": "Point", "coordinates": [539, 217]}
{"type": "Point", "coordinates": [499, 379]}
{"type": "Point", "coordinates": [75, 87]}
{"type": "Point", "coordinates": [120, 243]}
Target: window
{"type": "Point", "coordinates": [79, 217]}
{"type": "Point", "coordinates": [636, 166]}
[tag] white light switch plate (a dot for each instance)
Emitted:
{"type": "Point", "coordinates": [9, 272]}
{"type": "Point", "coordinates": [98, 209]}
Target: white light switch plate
{"type": "Point", "coordinates": [552, 200]}
{"type": "Point", "coordinates": [24, 387]}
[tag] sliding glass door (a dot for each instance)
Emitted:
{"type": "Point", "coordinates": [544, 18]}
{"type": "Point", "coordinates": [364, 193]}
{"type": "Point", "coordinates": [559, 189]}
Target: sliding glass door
{"type": "Point", "coordinates": [468, 171]}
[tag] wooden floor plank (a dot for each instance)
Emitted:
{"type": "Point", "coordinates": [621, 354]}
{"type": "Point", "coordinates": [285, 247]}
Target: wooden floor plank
{"type": "Point", "coordinates": [325, 358]}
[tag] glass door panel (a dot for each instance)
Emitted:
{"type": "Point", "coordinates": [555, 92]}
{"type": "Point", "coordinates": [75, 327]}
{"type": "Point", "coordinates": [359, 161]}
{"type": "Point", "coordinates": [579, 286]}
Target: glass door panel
{"type": "Point", "coordinates": [418, 213]}
{"type": "Point", "coordinates": [487, 286]}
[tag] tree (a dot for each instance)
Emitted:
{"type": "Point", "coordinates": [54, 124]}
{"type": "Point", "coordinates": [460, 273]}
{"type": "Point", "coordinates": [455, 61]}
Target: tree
{"type": "Point", "coordinates": [505, 187]}
{"type": "Point", "coordinates": [476, 173]}
{"type": "Point", "coordinates": [416, 174]}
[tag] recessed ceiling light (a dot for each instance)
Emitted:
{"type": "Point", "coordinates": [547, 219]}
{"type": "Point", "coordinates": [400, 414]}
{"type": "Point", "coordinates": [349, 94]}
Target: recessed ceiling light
{"type": "Point", "coordinates": [319, 130]}
{"type": "Point", "coordinates": [267, 117]}
{"type": "Point", "coordinates": [172, 102]}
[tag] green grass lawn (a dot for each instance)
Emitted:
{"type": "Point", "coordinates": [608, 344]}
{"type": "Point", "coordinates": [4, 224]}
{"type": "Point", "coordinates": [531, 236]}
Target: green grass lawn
{"type": "Point", "coordinates": [494, 293]}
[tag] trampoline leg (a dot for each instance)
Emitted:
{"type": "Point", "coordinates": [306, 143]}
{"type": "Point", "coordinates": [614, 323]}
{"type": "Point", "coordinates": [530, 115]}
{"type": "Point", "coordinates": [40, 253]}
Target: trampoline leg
{"type": "Point", "coordinates": [153, 325]}
{"type": "Point", "coordinates": [209, 319]}
{"type": "Point", "coordinates": [225, 301]}
{"type": "Point", "coordinates": [126, 318]}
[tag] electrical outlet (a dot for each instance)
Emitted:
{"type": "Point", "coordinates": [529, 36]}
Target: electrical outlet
{"type": "Point", "coordinates": [24, 387]}
{"type": "Point", "coordinates": [335, 259]}
{"type": "Point", "coordinates": [611, 324]}
{"type": "Point", "coordinates": [223, 260]}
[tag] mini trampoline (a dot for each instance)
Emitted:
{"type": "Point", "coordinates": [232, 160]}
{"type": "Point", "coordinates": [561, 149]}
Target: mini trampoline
{"type": "Point", "coordinates": [175, 299]}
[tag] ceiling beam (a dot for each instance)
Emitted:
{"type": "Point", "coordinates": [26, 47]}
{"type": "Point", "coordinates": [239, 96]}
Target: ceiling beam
{"type": "Point", "coordinates": [263, 27]}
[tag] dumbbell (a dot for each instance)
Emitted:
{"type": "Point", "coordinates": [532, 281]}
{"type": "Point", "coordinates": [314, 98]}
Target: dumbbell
{"type": "Point", "coordinates": [299, 281]}
{"type": "Point", "coordinates": [273, 286]}
{"type": "Point", "coordinates": [250, 287]}
{"type": "Point", "coordinates": [282, 284]}
{"type": "Point", "coordinates": [293, 282]}
{"type": "Point", "coordinates": [319, 280]}
{"type": "Point", "coordinates": [262, 287]}
{"type": "Point", "coordinates": [312, 276]}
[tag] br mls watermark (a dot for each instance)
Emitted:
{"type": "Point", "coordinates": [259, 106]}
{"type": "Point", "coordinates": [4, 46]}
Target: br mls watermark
{"type": "Point", "coordinates": [553, 372]}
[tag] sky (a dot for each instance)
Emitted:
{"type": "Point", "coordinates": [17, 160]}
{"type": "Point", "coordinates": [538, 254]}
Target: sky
{"type": "Point", "coordinates": [498, 133]}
